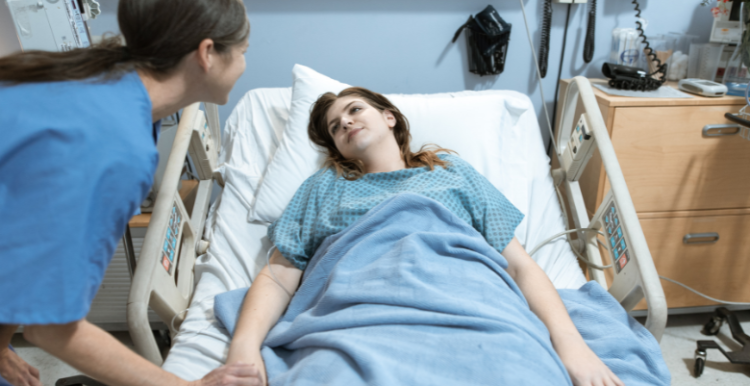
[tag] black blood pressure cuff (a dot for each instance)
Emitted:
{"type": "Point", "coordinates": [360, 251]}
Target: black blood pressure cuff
{"type": "Point", "coordinates": [487, 35]}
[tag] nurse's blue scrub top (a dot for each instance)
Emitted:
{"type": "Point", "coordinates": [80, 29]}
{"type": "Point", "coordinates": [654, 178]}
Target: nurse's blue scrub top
{"type": "Point", "coordinates": [76, 160]}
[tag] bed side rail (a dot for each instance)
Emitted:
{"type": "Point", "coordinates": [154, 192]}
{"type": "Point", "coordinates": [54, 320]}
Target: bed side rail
{"type": "Point", "coordinates": [163, 278]}
{"type": "Point", "coordinates": [635, 275]}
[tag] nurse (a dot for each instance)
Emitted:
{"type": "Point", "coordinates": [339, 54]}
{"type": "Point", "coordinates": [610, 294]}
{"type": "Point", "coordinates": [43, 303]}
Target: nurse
{"type": "Point", "coordinates": [77, 157]}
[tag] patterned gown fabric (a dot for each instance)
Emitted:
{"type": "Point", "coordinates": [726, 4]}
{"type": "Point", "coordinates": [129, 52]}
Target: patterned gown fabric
{"type": "Point", "coordinates": [326, 204]}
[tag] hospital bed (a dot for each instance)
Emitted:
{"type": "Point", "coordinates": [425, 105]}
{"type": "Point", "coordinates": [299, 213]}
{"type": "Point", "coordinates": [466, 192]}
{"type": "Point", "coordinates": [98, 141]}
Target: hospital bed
{"type": "Point", "coordinates": [192, 254]}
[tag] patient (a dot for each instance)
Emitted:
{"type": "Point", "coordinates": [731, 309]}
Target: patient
{"type": "Point", "coordinates": [369, 161]}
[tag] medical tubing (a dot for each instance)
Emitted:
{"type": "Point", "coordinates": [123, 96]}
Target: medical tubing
{"type": "Point", "coordinates": [199, 303]}
{"type": "Point", "coordinates": [570, 241]}
{"type": "Point", "coordinates": [585, 260]}
{"type": "Point", "coordinates": [559, 71]}
{"type": "Point", "coordinates": [273, 275]}
{"type": "Point", "coordinates": [547, 240]}
{"type": "Point", "coordinates": [538, 74]}
{"type": "Point", "coordinates": [704, 295]}
{"type": "Point", "coordinates": [171, 324]}
{"type": "Point", "coordinates": [588, 45]}
{"type": "Point", "coordinates": [544, 41]}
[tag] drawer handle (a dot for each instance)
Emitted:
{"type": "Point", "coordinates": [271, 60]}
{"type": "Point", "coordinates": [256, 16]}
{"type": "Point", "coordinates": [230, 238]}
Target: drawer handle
{"type": "Point", "coordinates": [700, 238]}
{"type": "Point", "coordinates": [721, 130]}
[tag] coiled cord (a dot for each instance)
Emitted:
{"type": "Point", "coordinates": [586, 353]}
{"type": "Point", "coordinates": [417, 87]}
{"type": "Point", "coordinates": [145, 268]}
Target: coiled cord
{"type": "Point", "coordinates": [648, 82]}
{"type": "Point", "coordinates": [544, 43]}
{"type": "Point", "coordinates": [588, 45]}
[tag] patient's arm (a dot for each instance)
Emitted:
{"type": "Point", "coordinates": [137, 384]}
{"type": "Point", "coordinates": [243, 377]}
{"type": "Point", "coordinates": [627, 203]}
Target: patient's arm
{"type": "Point", "coordinates": [584, 367]}
{"type": "Point", "coordinates": [265, 302]}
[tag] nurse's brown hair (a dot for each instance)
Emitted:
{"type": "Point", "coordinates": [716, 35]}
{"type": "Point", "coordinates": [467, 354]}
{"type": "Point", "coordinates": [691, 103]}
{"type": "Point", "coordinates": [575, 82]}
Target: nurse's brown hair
{"type": "Point", "coordinates": [158, 34]}
{"type": "Point", "coordinates": [353, 169]}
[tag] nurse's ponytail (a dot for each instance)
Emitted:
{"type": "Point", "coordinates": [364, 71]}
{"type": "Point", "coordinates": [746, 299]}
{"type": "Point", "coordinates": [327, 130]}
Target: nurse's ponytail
{"type": "Point", "coordinates": [157, 34]}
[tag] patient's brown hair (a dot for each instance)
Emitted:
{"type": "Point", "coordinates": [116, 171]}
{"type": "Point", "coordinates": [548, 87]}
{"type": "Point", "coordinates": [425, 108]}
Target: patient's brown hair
{"type": "Point", "coordinates": [353, 169]}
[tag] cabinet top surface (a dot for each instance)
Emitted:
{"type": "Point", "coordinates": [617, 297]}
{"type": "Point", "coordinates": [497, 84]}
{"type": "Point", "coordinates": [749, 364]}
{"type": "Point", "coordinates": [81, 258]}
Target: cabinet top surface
{"type": "Point", "coordinates": [619, 101]}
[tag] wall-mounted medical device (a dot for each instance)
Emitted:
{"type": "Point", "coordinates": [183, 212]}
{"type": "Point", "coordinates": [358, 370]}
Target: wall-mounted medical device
{"type": "Point", "coordinates": [726, 27]}
{"type": "Point", "coordinates": [52, 25]}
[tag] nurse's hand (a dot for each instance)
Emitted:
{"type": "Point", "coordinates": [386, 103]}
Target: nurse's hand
{"type": "Point", "coordinates": [16, 371]}
{"type": "Point", "coordinates": [236, 374]}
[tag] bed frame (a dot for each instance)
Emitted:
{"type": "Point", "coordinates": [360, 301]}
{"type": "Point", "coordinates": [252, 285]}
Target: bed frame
{"type": "Point", "coordinates": [163, 277]}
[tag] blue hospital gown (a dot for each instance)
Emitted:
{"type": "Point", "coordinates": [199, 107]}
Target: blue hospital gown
{"type": "Point", "coordinates": [326, 204]}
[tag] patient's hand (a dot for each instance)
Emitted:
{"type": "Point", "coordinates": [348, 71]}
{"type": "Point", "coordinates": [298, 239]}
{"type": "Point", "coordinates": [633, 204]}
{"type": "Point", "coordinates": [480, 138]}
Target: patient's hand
{"type": "Point", "coordinates": [585, 368]}
{"type": "Point", "coordinates": [256, 360]}
{"type": "Point", "coordinates": [245, 354]}
{"type": "Point", "coordinates": [236, 374]}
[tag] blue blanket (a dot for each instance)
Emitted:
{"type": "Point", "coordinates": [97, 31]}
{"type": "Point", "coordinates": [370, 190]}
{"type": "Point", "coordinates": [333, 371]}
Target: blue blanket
{"type": "Point", "coordinates": [412, 295]}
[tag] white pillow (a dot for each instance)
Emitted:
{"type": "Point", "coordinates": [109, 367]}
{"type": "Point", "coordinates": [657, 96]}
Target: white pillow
{"type": "Point", "coordinates": [251, 136]}
{"type": "Point", "coordinates": [482, 126]}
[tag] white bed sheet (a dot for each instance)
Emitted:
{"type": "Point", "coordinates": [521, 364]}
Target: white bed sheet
{"type": "Point", "coordinates": [238, 248]}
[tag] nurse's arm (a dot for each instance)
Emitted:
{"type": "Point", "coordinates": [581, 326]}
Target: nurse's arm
{"type": "Point", "coordinates": [14, 369]}
{"type": "Point", "coordinates": [98, 354]}
{"type": "Point", "coordinates": [264, 304]}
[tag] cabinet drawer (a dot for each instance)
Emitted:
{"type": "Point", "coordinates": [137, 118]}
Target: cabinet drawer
{"type": "Point", "coordinates": [717, 268]}
{"type": "Point", "coordinates": [670, 165]}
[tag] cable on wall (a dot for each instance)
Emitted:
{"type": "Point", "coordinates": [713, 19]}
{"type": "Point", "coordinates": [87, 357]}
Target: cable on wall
{"type": "Point", "coordinates": [544, 41]}
{"type": "Point", "coordinates": [588, 45]}
{"type": "Point", "coordinates": [559, 71]}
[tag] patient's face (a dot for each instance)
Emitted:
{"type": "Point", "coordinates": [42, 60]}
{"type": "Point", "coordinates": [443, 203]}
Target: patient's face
{"type": "Point", "coordinates": [356, 127]}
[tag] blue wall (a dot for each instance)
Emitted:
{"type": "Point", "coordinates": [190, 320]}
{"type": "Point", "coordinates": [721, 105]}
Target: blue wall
{"type": "Point", "coordinates": [404, 46]}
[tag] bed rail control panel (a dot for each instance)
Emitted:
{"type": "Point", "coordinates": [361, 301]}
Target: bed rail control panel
{"type": "Point", "coordinates": [203, 150]}
{"type": "Point", "coordinates": [625, 282]}
{"type": "Point", "coordinates": [172, 238]}
{"type": "Point", "coordinates": [616, 243]}
{"type": "Point", "coordinates": [579, 149]}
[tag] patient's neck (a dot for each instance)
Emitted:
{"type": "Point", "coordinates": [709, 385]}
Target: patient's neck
{"type": "Point", "coordinates": [384, 158]}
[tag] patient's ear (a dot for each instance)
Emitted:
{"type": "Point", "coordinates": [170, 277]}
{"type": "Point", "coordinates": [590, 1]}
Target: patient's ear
{"type": "Point", "coordinates": [390, 119]}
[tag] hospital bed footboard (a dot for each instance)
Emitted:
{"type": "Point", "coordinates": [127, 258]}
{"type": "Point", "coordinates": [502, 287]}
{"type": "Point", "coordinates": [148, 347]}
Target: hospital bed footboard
{"type": "Point", "coordinates": [581, 130]}
{"type": "Point", "coordinates": [163, 277]}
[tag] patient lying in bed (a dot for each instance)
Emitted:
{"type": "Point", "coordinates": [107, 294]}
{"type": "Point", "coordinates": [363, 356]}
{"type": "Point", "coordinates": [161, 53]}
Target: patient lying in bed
{"type": "Point", "coordinates": [411, 273]}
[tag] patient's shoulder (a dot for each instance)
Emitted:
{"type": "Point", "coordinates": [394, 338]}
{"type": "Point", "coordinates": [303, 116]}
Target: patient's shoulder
{"type": "Point", "coordinates": [319, 176]}
{"type": "Point", "coordinates": [455, 162]}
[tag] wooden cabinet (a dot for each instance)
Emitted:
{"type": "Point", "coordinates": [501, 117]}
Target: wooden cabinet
{"type": "Point", "coordinates": [691, 191]}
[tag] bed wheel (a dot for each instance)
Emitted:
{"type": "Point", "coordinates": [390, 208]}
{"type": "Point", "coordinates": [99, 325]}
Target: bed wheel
{"type": "Point", "coordinates": [713, 326]}
{"type": "Point", "coordinates": [699, 363]}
